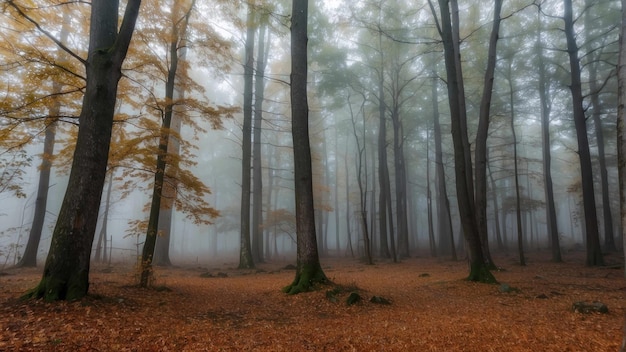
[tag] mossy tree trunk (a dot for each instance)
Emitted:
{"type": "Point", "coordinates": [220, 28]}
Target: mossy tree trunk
{"type": "Point", "coordinates": [66, 272]}
{"type": "Point", "coordinates": [309, 270]}
{"type": "Point", "coordinates": [479, 270]}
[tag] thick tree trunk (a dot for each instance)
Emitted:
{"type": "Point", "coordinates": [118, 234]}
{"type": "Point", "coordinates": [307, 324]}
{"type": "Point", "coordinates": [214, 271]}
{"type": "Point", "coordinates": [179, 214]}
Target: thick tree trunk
{"type": "Point", "coordinates": [245, 251]}
{"type": "Point", "coordinates": [66, 272]}
{"type": "Point", "coordinates": [479, 271]}
{"type": "Point", "coordinates": [481, 137]}
{"type": "Point", "coordinates": [594, 253]}
{"type": "Point", "coordinates": [308, 271]}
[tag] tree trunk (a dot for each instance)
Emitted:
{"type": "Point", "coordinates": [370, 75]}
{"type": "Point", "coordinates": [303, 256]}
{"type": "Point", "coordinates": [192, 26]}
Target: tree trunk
{"type": "Point", "coordinates": [481, 137]}
{"type": "Point", "coordinates": [308, 271]}
{"type": "Point", "coordinates": [431, 231]}
{"type": "Point", "coordinates": [594, 253]}
{"type": "Point", "coordinates": [383, 171]}
{"type": "Point", "coordinates": [609, 243]}
{"type": "Point", "coordinates": [162, 249]}
{"type": "Point", "coordinates": [479, 271]}
{"type": "Point", "coordinates": [551, 220]}
{"type": "Point", "coordinates": [621, 133]}
{"type": "Point", "coordinates": [66, 272]}
{"type": "Point", "coordinates": [102, 238]}
{"type": "Point", "coordinates": [29, 257]}
{"type": "Point", "coordinates": [257, 177]}
{"type": "Point", "coordinates": [444, 218]}
{"type": "Point", "coordinates": [401, 189]}
{"type": "Point", "coordinates": [164, 192]}
{"type": "Point", "coordinates": [518, 216]}
{"type": "Point", "coordinates": [360, 182]}
{"type": "Point", "coordinates": [245, 251]}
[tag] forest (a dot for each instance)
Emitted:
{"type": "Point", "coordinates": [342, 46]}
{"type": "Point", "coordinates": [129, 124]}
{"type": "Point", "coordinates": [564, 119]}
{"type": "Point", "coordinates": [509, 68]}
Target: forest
{"type": "Point", "coordinates": [466, 157]}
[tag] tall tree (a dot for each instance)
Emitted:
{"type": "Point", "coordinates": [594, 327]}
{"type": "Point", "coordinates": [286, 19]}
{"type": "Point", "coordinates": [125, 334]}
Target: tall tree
{"type": "Point", "coordinates": [479, 271]}
{"type": "Point", "coordinates": [308, 270]}
{"type": "Point", "coordinates": [245, 251]}
{"type": "Point", "coordinates": [621, 126]}
{"type": "Point", "coordinates": [257, 174]}
{"type": "Point", "coordinates": [66, 272]}
{"type": "Point", "coordinates": [481, 136]}
{"type": "Point", "coordinates": [594, 252]}
{"type": "Point", "coordinates": [444, 218]}
{"type": "Point", "coordinates": [594, 56]}
{"type": "Point", "coordinates": [621, 136]}
{"type": "Point", "coordinates": [180, 19]}
{"type": "Point", "coordinates": [544, 101]}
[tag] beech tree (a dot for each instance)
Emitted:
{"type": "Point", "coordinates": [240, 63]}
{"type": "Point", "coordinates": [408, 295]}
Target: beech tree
{"type": "Point", "coordinates": [308, 269]}
{"type": "Point", "coordinates": [594, 253]}
{"type": "Point", "coordinates": [66, 272]}
{"type": "Point", "coordinates": [479, 270]}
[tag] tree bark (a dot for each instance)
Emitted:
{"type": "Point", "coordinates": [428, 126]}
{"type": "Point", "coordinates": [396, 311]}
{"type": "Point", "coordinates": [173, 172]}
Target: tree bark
{"type": "Point", "coordinates": [245, 251]}
{"type": "Point", "coordinates": [66, 272]}
{"type": "Point", "coordinates": [29, 257]}
{"type": "Point", "coordinates": [621, 132]}
{"type": "Point", "coordinates": [609, 243]}
{"type": "Point", "coordinates": [518, 211]}
{"type": "Point", "coordinates": [594, 253]}
{"type": "Point", "coordinates": [481, 137]}
{"type": "Point", "coordinates": [479, 271]}
{"type": "Point", "coordinates": [308, 269]}
{"type": "Point", "coordinates": [257, 171]}
{"type": "Point", "coordinates": [551, 220]}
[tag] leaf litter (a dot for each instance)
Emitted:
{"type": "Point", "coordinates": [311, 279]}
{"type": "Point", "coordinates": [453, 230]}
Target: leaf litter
{"type": "Point", "coordinates": [246, 311]}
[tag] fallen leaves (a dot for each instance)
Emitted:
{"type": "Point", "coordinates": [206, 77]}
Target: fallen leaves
{"type": "Point", "coordinates": [246, 310]}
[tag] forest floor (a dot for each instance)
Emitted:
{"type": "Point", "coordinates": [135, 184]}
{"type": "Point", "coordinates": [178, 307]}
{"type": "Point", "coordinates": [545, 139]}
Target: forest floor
{"type": "Point", "coordinates": [219, 308]}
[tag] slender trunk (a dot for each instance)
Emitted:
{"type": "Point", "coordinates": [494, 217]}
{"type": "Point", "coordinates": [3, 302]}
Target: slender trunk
{"type": "Point", "coordinates": [257, 177]}
{"type": "Point", "coordinates": [245, 251]}
{"type": "Point", "coordinates": [551, 220]}
{"type": "Point", "coordinates": [164, 191]}
{"type": "Point", "coordinates": [496, 207]}
{"type": "Point", "coordinates": [609, 243]}
{"type": "Point", "coordinates": [401, 189]}
{"type": "Point", "coordinates": [594, 253]}
{"type": "Point", "coordinates": [621, 133]}
{"type": "Point", "coordinates": [520, 235]}
{"type": "Point", "coordinates": [481, 137]}
{"type": "Point", "coordinates": [102, 237]}
{"type": "Point", "coordinates": [383, 171]}
{"type": "Point", "coordinates": [479, 271]}
{"type": "Point", "coordinates": [444, 217]}
{"type": "Point", "coordinates": [29, 257]}
{"type": "Point", "coordinates": [431, 232]}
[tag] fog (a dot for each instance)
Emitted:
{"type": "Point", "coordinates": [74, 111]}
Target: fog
{"type": "Point", "coordinates": [356, 51]}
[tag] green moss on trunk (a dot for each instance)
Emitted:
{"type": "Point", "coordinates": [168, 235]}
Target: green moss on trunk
{"type": "Point", "coordinates": [479, 272]}
{"type": "Point", "coordinates": [307, 276]}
